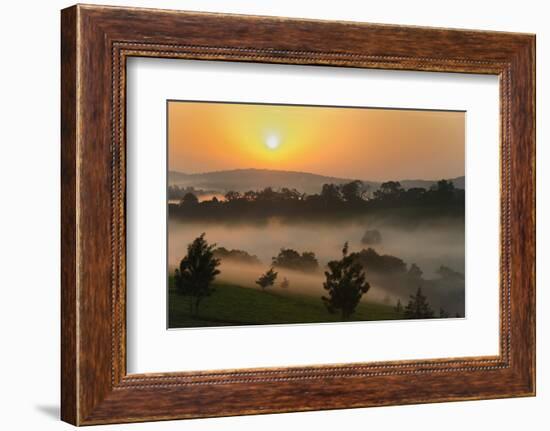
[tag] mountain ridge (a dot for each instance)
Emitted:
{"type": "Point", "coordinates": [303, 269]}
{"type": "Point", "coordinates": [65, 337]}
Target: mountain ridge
{"type": "Point", "coordinates": [254, 179]}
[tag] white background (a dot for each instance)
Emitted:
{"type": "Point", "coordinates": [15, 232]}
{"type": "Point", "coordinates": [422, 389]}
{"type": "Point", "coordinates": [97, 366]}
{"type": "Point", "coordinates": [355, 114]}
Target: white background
{"type": "Point", "coordinates": [151, 348]}
{"type": "Point", "coordinates": [29, 229]}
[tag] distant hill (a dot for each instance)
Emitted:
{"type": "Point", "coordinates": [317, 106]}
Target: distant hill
{"type": "Point", "coordinates": [242, 180]}
{"type": "Point", "coordinates": [254, 179]}
{"type": "Point", "coordinates": [459, 183]}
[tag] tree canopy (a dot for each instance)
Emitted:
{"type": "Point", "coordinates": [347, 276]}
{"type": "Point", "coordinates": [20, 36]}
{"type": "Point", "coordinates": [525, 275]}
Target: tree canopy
{"type": "Point", "coordinates": [380, 263]}
{"type": "Point", "coordinates": [349, 198]}
{"type": "Point", "coordinates": [239, 256]}
{"type": "Point", "coordinates": [196, 272]}
{"type": "Point", "coordinates": [418, 307]}
{"type": "Point", "coordinates": [267, 279]}
{"type": "Point", "coordinates": [345, 283]}
{"type": "Point", "coordinates": [372, 237]}
{"type": "Point", "coordinates": [291, 259]}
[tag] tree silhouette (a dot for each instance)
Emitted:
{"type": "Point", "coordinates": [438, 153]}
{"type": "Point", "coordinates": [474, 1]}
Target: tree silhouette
{"type": "Point", "coordinates": [415, 273]}
{"type": "Point", "coordinates": [330, 194]}
{"type": "Point", "coordinates": [444, 189]}
{"type": "Point", "coordinates": [398, 307]}
{"type": "Point", "coordinates": [345, 283]}
{"type": "Point", "coordinates": [291, 259]}
{"type": "Point", "coordinates": [332, 199]}
{"type": "Point", "coordinates": [390, 190]}
{"type": "Point", "coordinates": [352, 192]}
{"type": "Point", "coordinates": [418, 307]}
{"type": "Point", "coordinates": [414, 194]}
{"type": "Point", "coordinates": [231, 196]}
{"type": "Point", "coordinates": [250, 196]}
{"type": "Point", "coordinates": [189, 199]}
{"type": "Point", "coordinates": [379, 263]}
{"type": "Point", "coordinates": [239, 256]}
{"type": "Point", "coordinates": [267, 279]}
{"type": "Point", "coordinates": [196, 272]}
{"type": "Point", "coordinates": [291, 194]}
{"type": "Point", "coordinates": [371, 237]}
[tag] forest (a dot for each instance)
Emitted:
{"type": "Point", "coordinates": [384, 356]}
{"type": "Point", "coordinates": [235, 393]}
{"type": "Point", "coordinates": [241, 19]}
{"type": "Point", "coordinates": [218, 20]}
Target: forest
{"type": "Point", "coordinates": [351, 199]}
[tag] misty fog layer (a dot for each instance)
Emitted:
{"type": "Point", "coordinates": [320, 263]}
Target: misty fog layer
{"type": "Point", "coordinates": [429, 245]}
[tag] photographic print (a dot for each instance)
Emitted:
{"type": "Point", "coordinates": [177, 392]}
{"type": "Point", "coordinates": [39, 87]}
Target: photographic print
{"type": "Point", "coordinates": [297, 214]}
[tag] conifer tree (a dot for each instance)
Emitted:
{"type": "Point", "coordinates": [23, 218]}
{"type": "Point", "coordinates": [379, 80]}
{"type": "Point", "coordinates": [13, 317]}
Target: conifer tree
{"type": "Point", "coordinates": [345, 283]}
{"type": "Point", "coordinates": [418, 307]}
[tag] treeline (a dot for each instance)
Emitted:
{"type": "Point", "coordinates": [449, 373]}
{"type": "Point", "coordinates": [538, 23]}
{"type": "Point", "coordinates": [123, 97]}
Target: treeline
{"type": "Point", "coordinates": [287, 258]}
{"type": "Point", "coordinates": [351, 198]}
{"type": "Point", "coordinates": [176, 192]}
{"type": "Point", "coordinates": [237, 256]}
{"type": "Point", "coordinates": [387, 271]}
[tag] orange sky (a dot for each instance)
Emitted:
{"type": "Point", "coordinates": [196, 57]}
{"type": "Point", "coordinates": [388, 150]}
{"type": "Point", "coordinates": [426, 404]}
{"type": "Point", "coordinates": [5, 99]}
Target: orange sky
{"type": "Point", "coordinates": [356, 143]}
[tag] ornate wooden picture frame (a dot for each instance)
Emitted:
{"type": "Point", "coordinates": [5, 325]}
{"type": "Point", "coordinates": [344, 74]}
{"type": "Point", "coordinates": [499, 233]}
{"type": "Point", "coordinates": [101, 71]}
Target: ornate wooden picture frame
{"type": "Point", "coordinates": [96, 41]}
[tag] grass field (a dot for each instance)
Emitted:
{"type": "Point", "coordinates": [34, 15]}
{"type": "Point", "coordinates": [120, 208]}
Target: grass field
{"type": "Point", "coordinates": [235, 305]}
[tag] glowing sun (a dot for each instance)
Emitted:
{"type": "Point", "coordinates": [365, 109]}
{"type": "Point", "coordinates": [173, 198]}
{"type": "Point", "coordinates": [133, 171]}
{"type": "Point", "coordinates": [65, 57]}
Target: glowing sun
{"type": "Point", "coordinates": [272, 142]}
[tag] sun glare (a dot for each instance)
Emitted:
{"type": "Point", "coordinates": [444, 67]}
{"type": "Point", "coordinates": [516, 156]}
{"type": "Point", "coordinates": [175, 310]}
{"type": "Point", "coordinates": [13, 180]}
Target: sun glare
{"type": "Point", "coordinates": [272, 142]}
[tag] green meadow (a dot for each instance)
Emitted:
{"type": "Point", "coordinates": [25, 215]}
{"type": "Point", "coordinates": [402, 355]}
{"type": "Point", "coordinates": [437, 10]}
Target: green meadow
{"type": "Point", "coordinates": [232, 305]}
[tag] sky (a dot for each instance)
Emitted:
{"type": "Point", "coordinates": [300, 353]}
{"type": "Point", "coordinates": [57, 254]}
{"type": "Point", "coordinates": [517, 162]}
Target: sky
{"type": "Point", "coordinates": [356, 143]}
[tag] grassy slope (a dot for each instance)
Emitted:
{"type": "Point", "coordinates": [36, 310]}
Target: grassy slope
{"type": "Point", "coordinates": [235, 305]}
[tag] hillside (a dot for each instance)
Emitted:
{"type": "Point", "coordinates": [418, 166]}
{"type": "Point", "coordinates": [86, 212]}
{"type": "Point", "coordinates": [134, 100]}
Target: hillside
{"type": "Point", "coordinates": [242, 180]}
{"type": "Point", "coordinates": [236, 305]}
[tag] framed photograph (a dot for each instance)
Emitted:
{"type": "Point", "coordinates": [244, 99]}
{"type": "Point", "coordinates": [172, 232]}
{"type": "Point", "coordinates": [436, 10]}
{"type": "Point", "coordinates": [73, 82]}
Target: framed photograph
{"type": "Point", "coordinates": [294, 244]}
{"type": "Point", "coordinates": [266, 215]}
